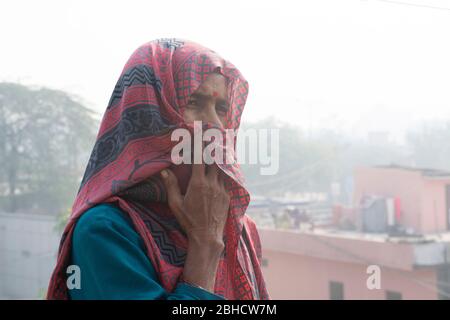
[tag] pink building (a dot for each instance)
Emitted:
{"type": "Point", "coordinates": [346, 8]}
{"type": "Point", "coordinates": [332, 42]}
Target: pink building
{"type": "Point", "coordinates": [332, 263]}
{"type": "Point", "coordinates": [424, 194]}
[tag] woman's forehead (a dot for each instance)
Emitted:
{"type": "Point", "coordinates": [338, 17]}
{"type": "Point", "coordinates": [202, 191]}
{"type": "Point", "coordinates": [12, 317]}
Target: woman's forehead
{"type": "Point", "coordinates": [215, 85]}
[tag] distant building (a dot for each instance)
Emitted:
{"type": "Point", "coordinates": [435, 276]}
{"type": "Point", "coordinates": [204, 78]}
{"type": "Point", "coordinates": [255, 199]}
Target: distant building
{"type": "Point", "coordinates": [405, 236]}
{"type": "Point", "coordinates": [424, 194]}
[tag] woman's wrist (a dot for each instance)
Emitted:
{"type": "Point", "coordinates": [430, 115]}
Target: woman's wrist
{"type": "Point", "coordinates": [206, 239]}
{"type": "Point", "coordinates": [201, 263]}
{"type": "Point", "coordinates": [205, 249]}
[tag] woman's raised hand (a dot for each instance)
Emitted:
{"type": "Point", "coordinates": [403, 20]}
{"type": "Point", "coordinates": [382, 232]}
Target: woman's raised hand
{"type": "Point", "coordinates": [202, 213]}
{"type": "Point", "coordinates": [203, 210]}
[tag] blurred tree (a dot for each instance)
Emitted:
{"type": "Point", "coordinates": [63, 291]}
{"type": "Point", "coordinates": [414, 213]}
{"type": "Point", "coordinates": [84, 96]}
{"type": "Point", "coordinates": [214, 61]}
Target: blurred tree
{"type": "Point", "coordinates": [311, 162]}
{"type": "Point", "coordinates": [45, 138]}
{"type": "Point", "coordinates": [306, 164]}
{"type": "Point", "coordinates": [429, 145]}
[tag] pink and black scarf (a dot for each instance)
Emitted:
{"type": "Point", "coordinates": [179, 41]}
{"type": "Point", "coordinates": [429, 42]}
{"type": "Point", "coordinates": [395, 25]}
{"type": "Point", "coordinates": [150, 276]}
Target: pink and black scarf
{"type": "Point", "coordinates": [133, 145]}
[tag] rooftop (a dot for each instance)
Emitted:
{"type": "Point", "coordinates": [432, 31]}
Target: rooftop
{"type": "Point", "coordinates": [405, 253]}
{"type": "Point", "coordinates": [427, 172]}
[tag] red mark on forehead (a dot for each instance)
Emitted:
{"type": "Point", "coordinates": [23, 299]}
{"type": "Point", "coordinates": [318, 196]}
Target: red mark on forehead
{"type": "Point", "coordinates": [215, 94]}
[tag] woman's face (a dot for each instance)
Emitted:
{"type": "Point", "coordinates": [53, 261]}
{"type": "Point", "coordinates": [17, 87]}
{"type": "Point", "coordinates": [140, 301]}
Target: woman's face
{"type": "Point", "coordinates": [209, 102]}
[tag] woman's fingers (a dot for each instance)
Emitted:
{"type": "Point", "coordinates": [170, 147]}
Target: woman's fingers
{"type": "Point", "coordinates": [170, 181]}
{"type": "Point", "coordinates": [221, 179]}
{"type": "Point", "coordinates": [198, 167]}
{"type": "Point", "coordinates": [213, 173]}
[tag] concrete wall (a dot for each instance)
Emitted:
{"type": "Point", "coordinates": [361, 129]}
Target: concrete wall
{"type": "Point", "coordinates": [300, 265]}
{"type": "Point", "coordinates": [290, 276]}
{"type": "Point", "coordinates": [346, 247]}
{"type": "Point", "coordinates": [434, 206]}
{"type": "Point", "coordinates": [28, 246]}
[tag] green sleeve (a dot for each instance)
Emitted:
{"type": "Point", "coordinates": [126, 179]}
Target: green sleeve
{"type": "Point", "coordinates": [113, 264]}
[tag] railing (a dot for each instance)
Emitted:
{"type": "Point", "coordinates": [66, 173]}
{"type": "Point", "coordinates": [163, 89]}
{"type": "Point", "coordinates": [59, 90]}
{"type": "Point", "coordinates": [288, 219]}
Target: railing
{"type": "Point", "coordinates": [318, 214]}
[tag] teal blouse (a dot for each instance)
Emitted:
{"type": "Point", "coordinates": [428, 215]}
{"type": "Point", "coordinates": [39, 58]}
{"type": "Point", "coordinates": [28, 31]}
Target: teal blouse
{"type": "Point", "coordinates": [113, 264]}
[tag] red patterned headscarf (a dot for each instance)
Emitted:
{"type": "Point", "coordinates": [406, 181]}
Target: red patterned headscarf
{"type": "Point", "coordinates": [133, 144]}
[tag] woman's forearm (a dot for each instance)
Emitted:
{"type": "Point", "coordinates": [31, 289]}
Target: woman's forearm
{"type": "Point", "coordinates": [201, 262]}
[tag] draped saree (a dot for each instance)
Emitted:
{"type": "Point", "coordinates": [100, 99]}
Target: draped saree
{"type": "Point", "coordinates": [134, 144]}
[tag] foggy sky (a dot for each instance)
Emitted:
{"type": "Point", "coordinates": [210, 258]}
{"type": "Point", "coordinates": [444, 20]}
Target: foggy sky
{"type": "Point", "coordinates": [356, 65]}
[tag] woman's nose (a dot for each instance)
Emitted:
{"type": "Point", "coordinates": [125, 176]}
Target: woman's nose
{"type": "Point", "coordinates": [210, 115]}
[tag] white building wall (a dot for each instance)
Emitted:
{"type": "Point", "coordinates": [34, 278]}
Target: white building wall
{"type": "Point", "coordinates": [28, 246]}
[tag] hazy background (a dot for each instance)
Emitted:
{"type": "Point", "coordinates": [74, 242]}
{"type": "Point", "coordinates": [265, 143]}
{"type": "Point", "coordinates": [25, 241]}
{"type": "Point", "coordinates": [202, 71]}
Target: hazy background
{"type": "Point", "coordinates": [350, 64]}
{"type": "Point", "coordinates": [348, 83]}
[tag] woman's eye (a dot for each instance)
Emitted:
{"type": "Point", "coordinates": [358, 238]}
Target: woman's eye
{"type": "Point", "coordinates": [192, 102]}
{"type": "Point", "coordinates": [222, 109]}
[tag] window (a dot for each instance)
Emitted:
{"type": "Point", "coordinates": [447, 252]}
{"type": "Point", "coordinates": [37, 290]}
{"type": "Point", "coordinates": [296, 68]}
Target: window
{"type": "Point", "coordinates": [336, 290]}
{"type": "Point", "coordinates": [393, 295]}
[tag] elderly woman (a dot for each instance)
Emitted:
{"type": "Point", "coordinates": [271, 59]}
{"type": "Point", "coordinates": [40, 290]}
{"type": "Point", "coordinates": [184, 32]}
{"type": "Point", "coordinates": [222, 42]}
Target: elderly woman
{"type": "Point", "coordinates": [186, 236]}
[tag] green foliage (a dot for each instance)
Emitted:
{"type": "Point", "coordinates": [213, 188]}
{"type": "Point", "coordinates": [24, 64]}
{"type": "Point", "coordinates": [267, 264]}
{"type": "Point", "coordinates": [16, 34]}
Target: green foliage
{"type": "Point", "coordinates": [62, 221]}
{"type": "Point", "coordinates": [42, 294]}
{"type": "Point", "coordinates": [45, 138]}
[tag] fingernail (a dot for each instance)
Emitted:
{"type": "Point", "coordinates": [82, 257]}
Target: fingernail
{"type": "Point", "coordinates": [164, 174]}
